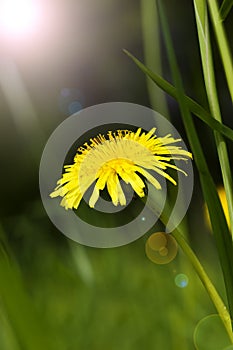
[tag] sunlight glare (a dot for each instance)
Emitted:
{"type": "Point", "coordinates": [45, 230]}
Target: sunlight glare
{"type": "Point", "coordinates": [18, 17]}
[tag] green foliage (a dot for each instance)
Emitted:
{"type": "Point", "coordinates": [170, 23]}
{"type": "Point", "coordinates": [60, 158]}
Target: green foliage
{"type": "Point", "coordinates": [222, 43]}
{"type": "Point", "coordinates": [225, 8]}
{"type": "Point", "coordinates": [217, 217]}
{"type": "Point", "coordinates": [125, 302]}
{"type": "Point", "coordinates": [56, 294]}
{"type": "Point", "coordinates": [194, 107]}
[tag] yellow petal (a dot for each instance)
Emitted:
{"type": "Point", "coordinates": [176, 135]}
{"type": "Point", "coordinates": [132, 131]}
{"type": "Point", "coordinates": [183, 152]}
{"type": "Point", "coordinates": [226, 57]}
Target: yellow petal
{"type": "Point", "coordinates": [149, 177]}
{"type": "Point", "coordinates": [94, 197]}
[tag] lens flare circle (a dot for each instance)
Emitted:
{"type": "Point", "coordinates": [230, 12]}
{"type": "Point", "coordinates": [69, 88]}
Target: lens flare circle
{"type": "Point", "coordinates": [211, 327]}
{"type": "Point", "coordinates": [161, 248]}
{"type": "Point", "coordinates": [70, 100]}
{"type": "Point", "coordinates": [181, 280]}
{"type": "Point", "coordinates": [87, 233]}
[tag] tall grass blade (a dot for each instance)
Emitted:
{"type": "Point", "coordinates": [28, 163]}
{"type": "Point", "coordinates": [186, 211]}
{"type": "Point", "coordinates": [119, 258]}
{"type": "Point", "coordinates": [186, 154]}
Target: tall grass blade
{"type": "Point", "coordinates": [194, 107]}
{"type": "Point", "coordinates": [152, 53]}
{"type": "Point", "coordinates": [225, 8]}
{"type": "Point", "coordinates": [153, 56]}
{"type": "Point", "coordinates": [209, 77]}
{"type": "Point", "coordinates": [217, 217]}
{"type": "Point", "coordinates": [222, 43]}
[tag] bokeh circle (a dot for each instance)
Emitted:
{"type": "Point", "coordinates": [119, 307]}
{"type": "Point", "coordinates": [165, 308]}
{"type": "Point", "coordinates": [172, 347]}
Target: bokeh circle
{"type": "Point", "coordinates": [161, 248]}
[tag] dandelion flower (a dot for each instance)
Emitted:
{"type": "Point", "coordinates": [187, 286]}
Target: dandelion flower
{"type": "Point", "coordinates": [121, 155]}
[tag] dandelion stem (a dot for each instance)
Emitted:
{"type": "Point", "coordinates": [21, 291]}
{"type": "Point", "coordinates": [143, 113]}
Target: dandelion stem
{"type": "Point", "coordinates": [211, 290]}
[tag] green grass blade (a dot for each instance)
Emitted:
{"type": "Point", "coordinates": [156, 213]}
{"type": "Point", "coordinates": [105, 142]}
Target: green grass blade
{"type": "Point", "coordinates": [209, 77]}
{"type": "Point", "coordinates": [225, 8]}
{"type": "Point", "coordinates": [194, 107]}
{"type": "Point", "coordinates": [29, 330]}
{"type": "Point", "coordinates": [152, 56]}
{"type": "Point", "coordinates": [217, 217]}
{"type": "Point", "coordinates": [222, 43]}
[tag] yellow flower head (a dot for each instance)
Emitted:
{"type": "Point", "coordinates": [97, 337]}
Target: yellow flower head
{"type": "Point", "coordinates": [122, 154]}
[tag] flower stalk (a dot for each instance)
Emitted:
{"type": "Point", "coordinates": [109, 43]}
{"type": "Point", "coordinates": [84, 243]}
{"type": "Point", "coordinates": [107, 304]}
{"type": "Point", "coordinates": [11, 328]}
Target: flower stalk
{"type": "Point", "coordinates": [211, 290]}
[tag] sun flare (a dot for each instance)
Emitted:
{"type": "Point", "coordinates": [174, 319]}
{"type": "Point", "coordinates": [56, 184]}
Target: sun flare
{"type": "Point", "coordinates": [18, 18]}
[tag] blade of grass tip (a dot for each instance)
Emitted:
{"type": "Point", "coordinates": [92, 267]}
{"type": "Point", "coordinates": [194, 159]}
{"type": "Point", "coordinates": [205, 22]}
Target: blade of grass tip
{"type": "Point", "coordinates": [222, 44]}
{"type": "Point", "coordinates": [217, 217]}
{"type": "Point", "coordinates": [30, 333]}
{"type": "Point", "coordinates": [7, 337]}
{"type": "Point", "coordinates": [225, 8]}
{"type": "Point", "coordinates": [194, 107]}
{"type": "Point", "coordinates": [20, 310]}
{"type": "Point", "coordinates": [152, 55]}
{"type": "Point", "coordinates": [82, 263]}
{"type": "Point", "coordinates": [209, 77]}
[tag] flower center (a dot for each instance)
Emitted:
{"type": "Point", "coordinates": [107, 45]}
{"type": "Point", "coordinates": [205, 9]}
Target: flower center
{"type": "Point", "coordinates": [117, 164]}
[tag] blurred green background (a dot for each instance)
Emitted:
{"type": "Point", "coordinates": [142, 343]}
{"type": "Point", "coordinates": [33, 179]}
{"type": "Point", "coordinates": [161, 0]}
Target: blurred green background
{"type": "Point", "coordinates": [55, 293]}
